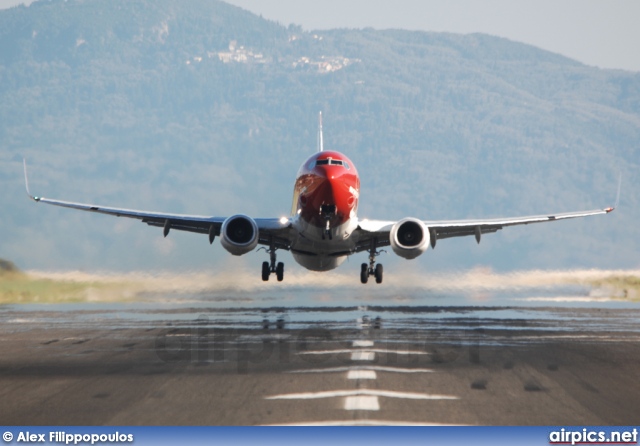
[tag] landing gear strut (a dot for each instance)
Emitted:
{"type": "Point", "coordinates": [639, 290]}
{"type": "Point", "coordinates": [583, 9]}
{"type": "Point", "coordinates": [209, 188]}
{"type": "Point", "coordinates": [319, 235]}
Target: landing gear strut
{"type": "Point", "coordinates": [371, 269]}
{"type": "Point", "coordinates": [327, 229]}
{"type": "Point", "coordinates": [328, 211]}
{"type": "Point", "coordinates": [272, 266]}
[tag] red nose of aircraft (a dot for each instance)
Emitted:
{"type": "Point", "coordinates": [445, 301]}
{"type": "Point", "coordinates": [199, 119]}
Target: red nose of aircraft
{"type": "Point", "coordinates": [329, 190]}
{"type": "Point", "coordinates": [334, 192]}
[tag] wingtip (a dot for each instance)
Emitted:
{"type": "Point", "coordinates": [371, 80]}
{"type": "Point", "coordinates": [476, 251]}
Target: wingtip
{"type": "Point", "coordinates": [26, 180]}
{"type": "Point", "coordinates": [615, 206]}
{"type": "Point", "coordinates": [618, 193]}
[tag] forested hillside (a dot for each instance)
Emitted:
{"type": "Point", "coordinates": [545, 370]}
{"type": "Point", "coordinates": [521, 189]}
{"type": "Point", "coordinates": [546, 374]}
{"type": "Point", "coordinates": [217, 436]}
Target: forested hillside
{"type": "Point", "coordinates": [201, 107]}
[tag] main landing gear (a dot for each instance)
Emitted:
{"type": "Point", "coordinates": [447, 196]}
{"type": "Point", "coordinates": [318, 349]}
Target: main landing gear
{"type": "Point", "coordinates": [272, 266]}
{"type": "Point", "coordinates": [371, 269]}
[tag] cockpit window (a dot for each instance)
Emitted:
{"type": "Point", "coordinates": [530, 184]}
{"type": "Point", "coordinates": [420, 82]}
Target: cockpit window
{"type": "Point", "coordinates": [330, 161]}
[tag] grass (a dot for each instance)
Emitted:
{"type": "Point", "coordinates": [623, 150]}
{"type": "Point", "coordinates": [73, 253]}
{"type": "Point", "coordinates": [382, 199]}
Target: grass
{"type": "Point", "coordinates": [628, 286]}
{"type": "Point", "coordinates": [17, 287]}
{"type": "Point", "coordinates": [20, 288]}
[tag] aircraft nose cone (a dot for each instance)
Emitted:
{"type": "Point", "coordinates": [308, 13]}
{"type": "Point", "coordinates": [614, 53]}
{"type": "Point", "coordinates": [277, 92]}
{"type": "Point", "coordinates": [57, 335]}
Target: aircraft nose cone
{"type": "Point", "coordinates": [321, 171]}
{"type": "Point", "coordinates": [329, 172]}
{"type": "Point", "coordinates": [330, 180]}
{"type": "Point", "coordinates": [334, 196]}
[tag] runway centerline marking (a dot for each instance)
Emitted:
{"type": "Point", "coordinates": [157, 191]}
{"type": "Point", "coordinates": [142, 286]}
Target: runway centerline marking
{"type": "Point", "coordinates": [363, 356]}
{"type": "Point", "coordinates": [362, 423]}
{"type": "Point", "coordinates": [362, 343]}
{"type": "Point", "coordinates": [361, 403]}
{"type": "Point", "coordinates": [361, 374]}
{"type": "Point", "coordinates": [377, 368]}
{"type": "Point", "coordinates": [352, 350]}
{"type": "Point", "coordinates": [359, 392]}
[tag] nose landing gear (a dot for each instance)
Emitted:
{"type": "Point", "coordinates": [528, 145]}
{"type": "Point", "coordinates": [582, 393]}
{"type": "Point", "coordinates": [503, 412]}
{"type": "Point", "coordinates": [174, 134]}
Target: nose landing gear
{"type": "Point", "coordinates": [327, 229]}
{"type": "Point", "coordinates": [328, 211]}
{"type": "Point", "coordinates": [372, 269]}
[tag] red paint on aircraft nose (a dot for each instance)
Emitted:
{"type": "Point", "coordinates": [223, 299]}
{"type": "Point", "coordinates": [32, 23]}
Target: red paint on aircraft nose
{"type": "Point", "coordinates": [332, 194]}
{"type": "Point", "coordinates": [326, 190]}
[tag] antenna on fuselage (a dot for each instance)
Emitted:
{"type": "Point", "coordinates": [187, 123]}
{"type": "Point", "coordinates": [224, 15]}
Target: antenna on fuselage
{"type": "Point", "coordinates": [320, 142]}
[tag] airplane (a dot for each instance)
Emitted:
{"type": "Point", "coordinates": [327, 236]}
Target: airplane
{"type": "Point", "coordinates": [323, 228]}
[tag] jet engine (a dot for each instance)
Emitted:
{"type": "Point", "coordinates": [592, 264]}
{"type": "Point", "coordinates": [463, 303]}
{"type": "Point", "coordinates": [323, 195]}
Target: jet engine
{"type": "Point", "coordinates": [409, 238]}
{"type": "Point", "coordinates": [239, 234]}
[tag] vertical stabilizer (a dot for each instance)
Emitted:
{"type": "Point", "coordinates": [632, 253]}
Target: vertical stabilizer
{"type": "Point", "coordinates": [320, 142]}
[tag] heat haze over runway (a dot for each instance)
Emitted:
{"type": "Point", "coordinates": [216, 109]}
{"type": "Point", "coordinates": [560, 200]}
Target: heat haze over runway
{"type": "Point", "coordinates": [561, 354]}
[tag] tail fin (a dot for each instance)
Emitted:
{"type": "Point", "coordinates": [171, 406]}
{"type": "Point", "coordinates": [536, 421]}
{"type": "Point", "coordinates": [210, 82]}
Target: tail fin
{"type": "Point", "coordinates": [320, 141]}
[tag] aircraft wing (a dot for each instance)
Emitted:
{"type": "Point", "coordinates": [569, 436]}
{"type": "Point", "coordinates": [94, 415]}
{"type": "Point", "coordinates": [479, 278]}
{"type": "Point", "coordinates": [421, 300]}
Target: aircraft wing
{"type": "Point", "coordinates": [441, 229]}
{"type": "Point", "coordinates": [271, 229]}
{"type": "Point", "coordinates": [379, 231]}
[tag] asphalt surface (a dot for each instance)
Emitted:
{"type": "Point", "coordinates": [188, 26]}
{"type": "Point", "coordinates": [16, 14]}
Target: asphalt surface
{"type": "Point", "coordinates": [124, 364]}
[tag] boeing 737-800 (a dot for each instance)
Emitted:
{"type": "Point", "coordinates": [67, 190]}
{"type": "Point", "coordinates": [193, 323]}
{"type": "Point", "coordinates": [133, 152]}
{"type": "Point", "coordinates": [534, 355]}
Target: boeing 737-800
{"type": "Point", "coordinates": [323, 228]}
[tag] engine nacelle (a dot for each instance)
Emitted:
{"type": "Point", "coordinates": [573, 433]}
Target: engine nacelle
{"type": "Point", "coordinates": [239, 234]}
{"type": "Point", "coordinates": [409, 238]}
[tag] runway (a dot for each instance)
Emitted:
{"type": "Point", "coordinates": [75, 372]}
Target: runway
{"type": "Point", "coordinates": [522, 358]}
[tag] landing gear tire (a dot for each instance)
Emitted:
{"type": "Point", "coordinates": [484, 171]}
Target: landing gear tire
{"type": "Point", "coordinates": [372, 269]}
{"type": "Point", "coordinates": [378, 273]}
{"type": "Point", "coordinates": [364, 273]}
{"type": "Point", "coordinates": [272, 267]}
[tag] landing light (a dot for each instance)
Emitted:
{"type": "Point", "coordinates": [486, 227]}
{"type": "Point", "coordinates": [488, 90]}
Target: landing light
{"type": "Point", "coordinates": [284, 220]}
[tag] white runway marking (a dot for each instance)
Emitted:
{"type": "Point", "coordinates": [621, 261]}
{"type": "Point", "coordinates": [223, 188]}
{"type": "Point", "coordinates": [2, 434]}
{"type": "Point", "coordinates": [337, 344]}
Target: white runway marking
{"type": "Point", "coordinates": [376, 350]}
{"type": "Point", "coordinates": [363, 356]}
{"type": "Point", "coordinates": [565, 299]}
{"type": "Point", "coordinates": [363, 423]}
{"type": "Point", "coordinates": [361, 403]}
{"type": "Point", "coordinates": [359, 392]}
{"type": "Point", "coordinates": [361, 374]}
{"type": "Point", "coordinates": [377, 368]}
{"type": "Point", "coordinates": [363, 343]}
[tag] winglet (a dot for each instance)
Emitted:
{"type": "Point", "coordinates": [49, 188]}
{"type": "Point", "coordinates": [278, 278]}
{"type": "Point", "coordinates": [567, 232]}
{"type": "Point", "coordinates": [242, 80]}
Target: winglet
{"type": "Point", "coordinates": [611, 209]}
{"type": "Point", "coordinates": [320, 142]}
{"type": "Point", "coordinates": [26, 181]}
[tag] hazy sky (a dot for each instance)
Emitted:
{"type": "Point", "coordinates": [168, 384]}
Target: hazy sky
{"type": "Point", "coordinates": [595, 32]}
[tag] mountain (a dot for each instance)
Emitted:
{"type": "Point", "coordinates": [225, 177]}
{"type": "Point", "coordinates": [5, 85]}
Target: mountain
{"type": "Point", "coordinates": [204, 108]}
